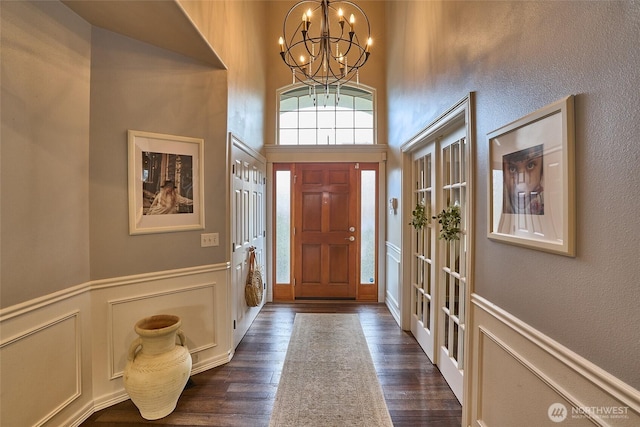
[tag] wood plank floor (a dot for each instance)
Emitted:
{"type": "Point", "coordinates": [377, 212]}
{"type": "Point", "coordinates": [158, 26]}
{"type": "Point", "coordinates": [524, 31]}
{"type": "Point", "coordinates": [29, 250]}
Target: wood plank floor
{"type": "Point", "coordinates": [241, 393]}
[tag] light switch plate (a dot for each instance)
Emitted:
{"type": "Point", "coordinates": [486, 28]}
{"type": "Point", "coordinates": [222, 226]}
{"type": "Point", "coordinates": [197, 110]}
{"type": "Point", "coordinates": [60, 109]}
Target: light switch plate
{"type": "Point", "coordinates": [209, 239]}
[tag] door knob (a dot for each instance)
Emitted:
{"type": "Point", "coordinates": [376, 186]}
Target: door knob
{"type": "Point", "coordinates": [350, 238]}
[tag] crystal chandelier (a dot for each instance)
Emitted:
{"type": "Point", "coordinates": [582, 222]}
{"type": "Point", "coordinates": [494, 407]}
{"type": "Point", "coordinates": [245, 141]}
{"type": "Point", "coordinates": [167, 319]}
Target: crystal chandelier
{"type": "Point", "coordinates": [324, 49]}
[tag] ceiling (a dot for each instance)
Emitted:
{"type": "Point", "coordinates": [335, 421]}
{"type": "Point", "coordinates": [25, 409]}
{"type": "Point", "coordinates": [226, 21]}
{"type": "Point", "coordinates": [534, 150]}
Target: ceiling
{"type": "Point", "coordinates": [163, 24]}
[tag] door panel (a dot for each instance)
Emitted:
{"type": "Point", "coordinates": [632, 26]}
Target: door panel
{"type": "Point", "coordinates": [325, 248]}
{"type": "Point", "coordinates": [439, 267]}
{"type": "Point", "coordinates": [424, 242]}
{"type": "Point", "coordinates": [248, 228]}
{"type": "Point", "coordinates": [453, 279]}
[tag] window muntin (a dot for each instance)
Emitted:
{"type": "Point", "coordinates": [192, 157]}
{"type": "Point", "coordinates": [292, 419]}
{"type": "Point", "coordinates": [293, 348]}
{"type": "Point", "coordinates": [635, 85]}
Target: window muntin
{"type": "Point", "coordinates": [326, 119]}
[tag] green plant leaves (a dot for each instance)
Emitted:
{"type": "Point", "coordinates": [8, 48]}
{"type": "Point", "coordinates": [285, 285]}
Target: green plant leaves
{"type": "Point", "coordinates": [449, 218]}
{"type": "Point", "coordinates": [420, 218]}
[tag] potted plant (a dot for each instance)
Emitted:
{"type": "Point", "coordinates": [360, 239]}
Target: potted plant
{"type": "Point", "coordinates": [449, 219]}
{"type": "Point", "coordinates": [420, 217]}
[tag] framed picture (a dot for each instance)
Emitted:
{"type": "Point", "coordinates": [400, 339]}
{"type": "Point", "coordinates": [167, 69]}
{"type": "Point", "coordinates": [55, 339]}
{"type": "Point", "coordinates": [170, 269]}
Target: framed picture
{"type": "Point", "coordinates": [531, 180]}
{"type": "Point", "coordinates": [166, 191]}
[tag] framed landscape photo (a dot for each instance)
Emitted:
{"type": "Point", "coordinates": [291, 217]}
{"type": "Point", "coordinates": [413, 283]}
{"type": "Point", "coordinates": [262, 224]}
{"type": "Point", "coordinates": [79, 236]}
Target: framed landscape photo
{"type": "Point", "coordinates": [531, 180]}
{"type": "Point", "coordinates": [166, 191]}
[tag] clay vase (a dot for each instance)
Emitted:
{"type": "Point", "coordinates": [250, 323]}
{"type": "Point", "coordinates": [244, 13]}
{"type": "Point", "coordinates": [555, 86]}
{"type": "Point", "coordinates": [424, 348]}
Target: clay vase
{"type": "Point", "coordinates": [157, 368]}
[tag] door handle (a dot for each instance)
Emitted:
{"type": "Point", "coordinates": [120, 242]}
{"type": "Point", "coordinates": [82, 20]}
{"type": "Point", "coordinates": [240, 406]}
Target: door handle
{"type": "Point", "coordinates": [350, 238]}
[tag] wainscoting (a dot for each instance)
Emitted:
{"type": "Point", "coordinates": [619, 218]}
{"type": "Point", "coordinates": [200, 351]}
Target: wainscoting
{"type": "Point", "coordinates": [393, 275]}
{"type": "Point", "coordinates": [63, 355]}
{"type": "Point", "coordinates": [518, 373]}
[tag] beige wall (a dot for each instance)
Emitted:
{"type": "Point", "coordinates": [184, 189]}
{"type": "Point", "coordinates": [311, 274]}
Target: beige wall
{"type": "Point", "coordinates": [235, 30]}
{"type": "Point", "coordinates": [64, 172]}
{"type": "Point", "coordinates": [518, 57]}
{"type": "Point", "coordinates": [46, 59]}
{"type": "Point", "coordinates": [279, 75]}
{"type": "Point", "coordinates": [141, 87]}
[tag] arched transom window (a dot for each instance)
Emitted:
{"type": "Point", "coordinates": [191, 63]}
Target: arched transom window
{"type": "Point", "coordinates": [346, 117]}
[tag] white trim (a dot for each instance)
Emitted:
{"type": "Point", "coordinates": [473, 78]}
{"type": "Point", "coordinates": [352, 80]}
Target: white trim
{"type": "Point", "coordinates": [393, 254]}
{"type": "Point", "coordinates": [238, 143]}
{"type": "Point", "coordinates": [89, 306]}
{"type": "Point", "coordinates": [325, 153]}
{"type": "Point", "coordinates": [74, 316]}
{"type": "Point", "coordinates": [522, 360]}
{"type": "Point", "coordinates": [46, 300]}
{"type": "Point", "coordinates": [584, 368]}
{"type": "Point", "coordinates": [111, 304]}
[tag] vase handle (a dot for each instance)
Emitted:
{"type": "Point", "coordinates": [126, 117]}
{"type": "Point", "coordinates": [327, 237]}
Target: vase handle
{"type": "Point", "coordinates": [183, 339]}
{"type": "Point", "coordinates": [133, 347]}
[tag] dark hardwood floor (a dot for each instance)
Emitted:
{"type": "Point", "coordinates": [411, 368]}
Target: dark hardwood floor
{"type": "Point", "coordinates": [241, 393]}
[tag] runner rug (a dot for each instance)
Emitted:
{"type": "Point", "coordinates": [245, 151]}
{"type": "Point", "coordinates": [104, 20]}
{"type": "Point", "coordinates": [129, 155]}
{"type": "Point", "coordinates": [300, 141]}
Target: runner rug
{"type": "Point", "coordinates": [328, 378]}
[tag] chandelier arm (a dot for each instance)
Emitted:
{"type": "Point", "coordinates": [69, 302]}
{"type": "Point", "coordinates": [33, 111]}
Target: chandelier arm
{"type": "Point", "coordinates": [324, 67]}
{"type": "Point", "coordinates": [290, 55]}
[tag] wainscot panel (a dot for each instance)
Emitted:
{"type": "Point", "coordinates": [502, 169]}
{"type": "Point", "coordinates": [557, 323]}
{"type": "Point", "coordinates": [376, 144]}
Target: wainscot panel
{"type": "Point", "coordinates": [522, 377]}
{"type": "Point", "coordinates": [45, 361]}
{"type": "Point", "coordinates": [393, 280]}
{"type": "Point", "coordinates": [62, 355]}
{"type": "Point", "coordinates": [198, 295]}
{"type": "Point", "coordinates": [198, 319]}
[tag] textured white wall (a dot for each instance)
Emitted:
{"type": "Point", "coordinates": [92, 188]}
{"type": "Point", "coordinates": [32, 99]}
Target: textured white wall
{"type": "Point", "coordinates": [518, 57]}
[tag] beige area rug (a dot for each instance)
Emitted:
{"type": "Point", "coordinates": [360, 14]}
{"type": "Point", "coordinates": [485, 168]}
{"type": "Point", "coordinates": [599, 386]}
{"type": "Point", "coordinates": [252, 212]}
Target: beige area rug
{"type": "Point", "coordinates": [328, 378]}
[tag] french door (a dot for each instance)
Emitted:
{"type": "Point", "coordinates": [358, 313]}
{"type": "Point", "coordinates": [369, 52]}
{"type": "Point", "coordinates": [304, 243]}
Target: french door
{"type": "Point", "coordinates": [325, 231]}
{"type": "Point", "coordinates": [439, 267]}
{"type": "Point", "coordinates": [424, 247]}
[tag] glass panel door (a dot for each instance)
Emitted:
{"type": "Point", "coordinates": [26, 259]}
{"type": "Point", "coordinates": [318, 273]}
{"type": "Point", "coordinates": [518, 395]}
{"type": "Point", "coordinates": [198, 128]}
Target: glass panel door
{"type": "Point", "coordinates": [453, 266]}
{"type": "Point", "coordinates": [424, 240]}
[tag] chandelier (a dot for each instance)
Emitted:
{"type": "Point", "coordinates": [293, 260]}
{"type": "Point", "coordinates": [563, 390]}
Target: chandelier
{"type": "Point", "coordinates": [321, 45]}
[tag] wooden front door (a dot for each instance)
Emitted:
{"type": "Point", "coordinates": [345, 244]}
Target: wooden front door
{"type": "Point", "coordinates": [326, 234]}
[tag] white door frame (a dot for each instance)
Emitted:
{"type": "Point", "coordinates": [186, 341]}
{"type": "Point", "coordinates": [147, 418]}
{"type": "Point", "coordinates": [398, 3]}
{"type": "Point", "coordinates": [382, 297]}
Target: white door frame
{"type": "Point", "coordinates": [459, 113]}
{"type": "Point", "coordinates": [328, 154]}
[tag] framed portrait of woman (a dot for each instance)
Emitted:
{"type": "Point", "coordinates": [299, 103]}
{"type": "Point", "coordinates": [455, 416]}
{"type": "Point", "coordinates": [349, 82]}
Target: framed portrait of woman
{"type": "Point", "coordinates": [165, 183]}
{"type": "Point", "coordinates": [531, 180]}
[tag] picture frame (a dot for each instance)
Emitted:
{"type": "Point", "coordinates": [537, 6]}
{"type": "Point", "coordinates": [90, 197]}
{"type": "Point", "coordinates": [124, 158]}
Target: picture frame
{"type": "Point", "coordinates": [166, 183]}
{"type": "Point", "coordinates": [532, 180]}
